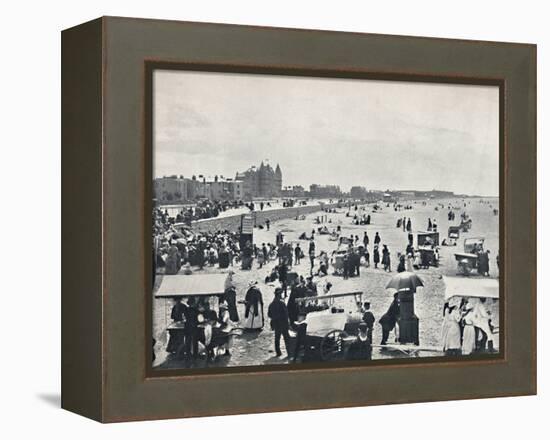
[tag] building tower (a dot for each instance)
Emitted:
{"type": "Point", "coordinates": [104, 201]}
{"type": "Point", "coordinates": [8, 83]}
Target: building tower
{"type": "Point", "coordinates": [267, 180]}
{"type": "Point", "coordinates": [278, 180]}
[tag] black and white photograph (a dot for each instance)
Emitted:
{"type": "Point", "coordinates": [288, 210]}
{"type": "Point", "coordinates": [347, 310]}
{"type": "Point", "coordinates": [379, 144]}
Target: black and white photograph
{"type": "Point", "coordinates": [316, 220]}
{"type": "Point", "coordinates": [305, 219]}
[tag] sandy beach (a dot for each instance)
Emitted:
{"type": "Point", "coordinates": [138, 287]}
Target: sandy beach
{"type": "Point", "coordinates": [258, 349]}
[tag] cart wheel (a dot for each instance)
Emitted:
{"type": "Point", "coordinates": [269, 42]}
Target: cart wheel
{"type": "Point", "coordinates": [332, 346]}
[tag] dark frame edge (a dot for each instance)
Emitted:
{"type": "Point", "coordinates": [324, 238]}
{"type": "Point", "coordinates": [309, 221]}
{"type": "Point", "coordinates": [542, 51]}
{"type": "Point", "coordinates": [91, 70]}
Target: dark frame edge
{"type": "Point", "coordinates": [122, 387]}
{"type": "Point", "coordinates": [533, 62]}
{"type": "Point", "coordinates": [81, 216]}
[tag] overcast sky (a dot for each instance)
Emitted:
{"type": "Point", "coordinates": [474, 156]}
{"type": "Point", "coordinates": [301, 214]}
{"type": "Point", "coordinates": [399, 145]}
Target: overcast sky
{"type": "Point", "coordinates": [377, 134]}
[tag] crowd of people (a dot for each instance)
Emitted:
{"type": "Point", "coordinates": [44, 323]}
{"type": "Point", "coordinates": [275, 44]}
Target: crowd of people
{"type": "Point", "coordinates": [466, 329]}
{"type": "Point", "coordinates": [203, 209]}
{"type": "Point", "coordinates": [207, 208]}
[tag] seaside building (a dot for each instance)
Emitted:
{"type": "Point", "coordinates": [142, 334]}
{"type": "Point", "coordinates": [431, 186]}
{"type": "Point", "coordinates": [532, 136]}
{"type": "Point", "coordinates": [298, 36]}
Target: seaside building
{"type": "Point", "coordinates": [262, 181]}
{"type": "Point", "coordinates": [171, 189]}
{"type": "Point", "coordinates": [224, 189]}
{"type": "Point", "coordinates": [177, 189]}
{"type": "Point", "coordinates": [324, 191]}
{"type": "Point", "coordinates": [293, 191]}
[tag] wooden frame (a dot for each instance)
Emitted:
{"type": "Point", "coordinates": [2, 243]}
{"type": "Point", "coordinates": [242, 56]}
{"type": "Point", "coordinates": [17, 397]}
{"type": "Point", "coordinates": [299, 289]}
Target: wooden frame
{"type": "Point", "coordinates": [106, 185]}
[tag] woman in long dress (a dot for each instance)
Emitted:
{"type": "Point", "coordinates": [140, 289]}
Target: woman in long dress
{"type": "Point", "coordinates": [376, 258]}
{"type": "Point", "coordinates": [410, 261]}
{"type": "Point", "coordinates": [223, 257]}
{"type": "Point", "coordinates": [173, 261]}
{"type": "Point", "coordinates": [450, 332]}
{"type": "Point", "coordinates": [386, 258]}
{"type": "Point", "coordinates": [230, 297]}
{"type": "Point", "coordinates": [254, 308]}
{"type": "Point", "coordinates": [481, 319]}
{"type": "Point", "coordinates": [469, 334]}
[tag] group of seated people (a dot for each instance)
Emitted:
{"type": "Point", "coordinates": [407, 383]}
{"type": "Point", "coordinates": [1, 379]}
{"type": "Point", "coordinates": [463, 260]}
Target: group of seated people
{"type": "Point", "coordinates": [197, 325]}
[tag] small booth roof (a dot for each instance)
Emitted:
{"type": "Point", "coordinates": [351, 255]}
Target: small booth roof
{"type": "Point", "coordinates": [471, 287]}
{"type": "Point", "coordinates": [192, 285]}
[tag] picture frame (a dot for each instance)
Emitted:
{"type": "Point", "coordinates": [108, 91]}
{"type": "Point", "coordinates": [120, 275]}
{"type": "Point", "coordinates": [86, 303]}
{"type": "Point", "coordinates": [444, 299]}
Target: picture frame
{"type": "Point", "coordinates": [106, 217]}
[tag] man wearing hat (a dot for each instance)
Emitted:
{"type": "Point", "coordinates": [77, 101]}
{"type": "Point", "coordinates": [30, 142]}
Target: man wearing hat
{"type": "Point", "coordinates": [389, 319]}
{"type": "Point", "coordinates": [230, 297]}
{"type": "Point", "coordinates": [368, 319]}
{"type": "Point", "coordinates": [278, 314]}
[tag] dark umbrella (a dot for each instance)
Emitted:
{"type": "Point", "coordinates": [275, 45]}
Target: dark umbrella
{"type": "Point", "coordinates": [405, 281]}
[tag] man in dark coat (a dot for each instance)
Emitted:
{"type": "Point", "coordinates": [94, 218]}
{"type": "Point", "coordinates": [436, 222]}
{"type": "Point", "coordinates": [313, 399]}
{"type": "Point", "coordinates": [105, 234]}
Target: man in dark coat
{"type": "Point", "coordinates": [177, 338]}
{"type": "Point", "coordinates": [365, 240]}
{"type": "Point", "coordinates": [283, 272]}
{"type": "Point", "coordinates": [483, 263]}
{"type": "Point", "coordinates": [200, 253]}
{"type": "Point", "coordinates": [191, 329]}
{"type": "Point", "coordinates": [389, 319]}
{"type": "Point", "coordinates": [297, 253]}
{"type": "Point", "coordinates": [298, 291]}
{"type": "Point", "coordinates": [311, 255]}
{"type": "Point", "coordinates": [368, 319]}
{"type": "Point", "coordinates": [230, 297]}
{"type": "Point", "coordinates": [178, 311]}
{"type": "Point", "coordinates": [376, 256]}
{"type": "Point", "coordinates": [278, 313]}
{"type": "Point", "coordinates": [377, 239]}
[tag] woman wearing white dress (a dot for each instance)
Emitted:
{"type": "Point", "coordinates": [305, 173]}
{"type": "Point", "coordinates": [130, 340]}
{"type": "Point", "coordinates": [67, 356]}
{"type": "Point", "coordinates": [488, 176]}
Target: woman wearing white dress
{"type": "Point", "coordinates": [481, 317]}
{"type": "Point", "coordinates": [469, 334]}
{"type": "Point", "coordinates": [450, 332]}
